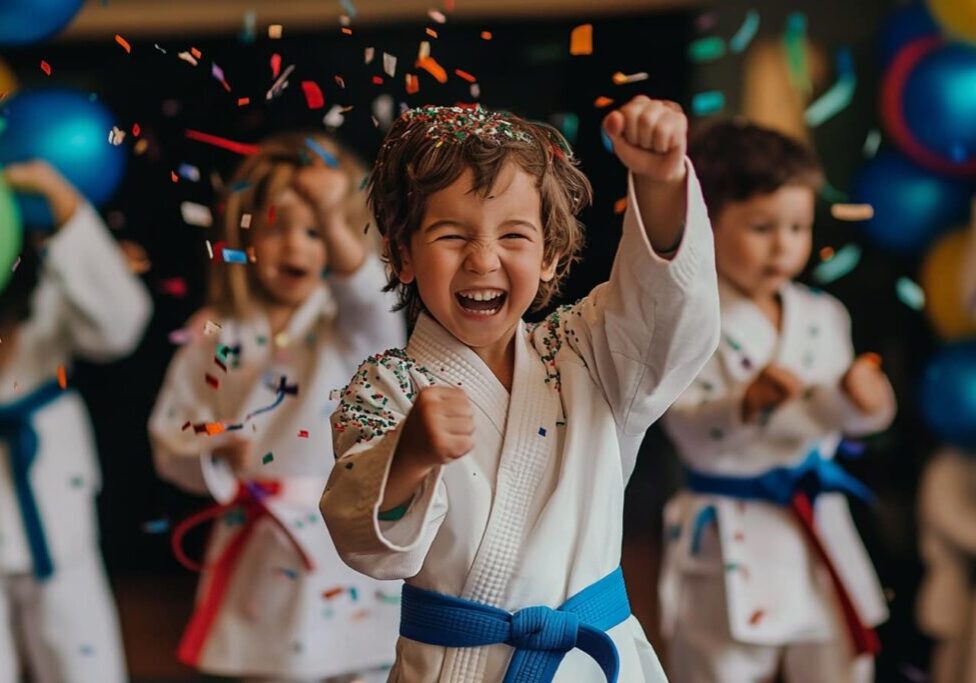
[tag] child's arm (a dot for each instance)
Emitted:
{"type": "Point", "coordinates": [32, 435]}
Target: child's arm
{"type": "Point", "coordinates": [356, 276]}
{"type": "Point", "coordinates": [712, 417]}
{"type": "Point", "coordinates": [103, 307]}
{"type": "Point", "coordinates": [185, 397]}
{"type": "Point", "coordinates": [862, 402]}
{"type": "Point", "coordinates": [385, 460]}
{"type": "Point", "coordinates": [646, 333]}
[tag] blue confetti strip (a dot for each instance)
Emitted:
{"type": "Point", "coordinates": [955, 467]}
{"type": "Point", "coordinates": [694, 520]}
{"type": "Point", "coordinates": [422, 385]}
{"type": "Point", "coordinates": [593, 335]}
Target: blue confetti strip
{"type": "Point", "coordinates": [910, 294]}
{"type": "Point", "coordinates": [843, 262]}
{"type": "Point", "coordinates": [708, 102]}
{"type": "Point", "coordinates": [234, 256]}
{"type": "Point", "coordinates": [323, 153]}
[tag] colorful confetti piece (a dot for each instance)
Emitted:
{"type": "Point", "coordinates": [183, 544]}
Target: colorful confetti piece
{"type": "Point", "coordinates": [840, 264]}
{"type": "Point", "coordinates": [707, 103]}
{"type": "Point", "coordinates": [268, 457]}
{"type": "Point", "coordinates": [581, 40]}
{"type": "Point", "coordinates": [839, 96]}
{"type": "Point", "coordinates": [852, 212]}
{"type": "Point", "coordinates": [747, 31]}
{"type": "Point", "coordinates": [62, 377]}
{"type": "Point", "coordinates": [313, 95]}
{"type": "Point", "coordinates": [910, 294]}
{"type": "Point", "coordinates": [706, 49]}
{"type": "Point", "coordinates": [123, 42]}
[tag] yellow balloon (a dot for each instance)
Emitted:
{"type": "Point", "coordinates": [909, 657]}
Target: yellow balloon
{"type": "Point", "coordinates": [941, 278]}
{"type": "Point", "coordinates": [8, 81]}
{"type": "Point", "coordinates": [957, 17]}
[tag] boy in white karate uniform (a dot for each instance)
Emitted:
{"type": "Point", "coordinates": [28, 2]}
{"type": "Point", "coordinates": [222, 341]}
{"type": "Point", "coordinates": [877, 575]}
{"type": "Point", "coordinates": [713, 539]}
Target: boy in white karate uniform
{"type": "Point", "coordinates": [78, 298]}
{"type": "Point", "coordinates": [764, 570]}
{"type": "Point", "coordinates": [486, 463]}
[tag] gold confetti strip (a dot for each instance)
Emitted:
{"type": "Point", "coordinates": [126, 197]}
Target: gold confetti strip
{"type": "Point", "coordinates": [274, 31]}
{"type": "Point", "coordinates": [620, 78]}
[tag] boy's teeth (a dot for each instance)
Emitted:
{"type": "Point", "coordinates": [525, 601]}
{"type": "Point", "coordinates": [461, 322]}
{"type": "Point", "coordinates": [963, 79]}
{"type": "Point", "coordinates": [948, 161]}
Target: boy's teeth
{"type": "Point", "coordinates": [481, 295]}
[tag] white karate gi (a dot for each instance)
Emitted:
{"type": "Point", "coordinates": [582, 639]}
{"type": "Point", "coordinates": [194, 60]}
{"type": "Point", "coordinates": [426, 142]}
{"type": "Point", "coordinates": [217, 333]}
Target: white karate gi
{"type": "Point", "coordinates": [947, 537]}
{"type": "Point", "coordinates": [278, 619]}
{"type": "Point", "coordinates": [87, 304]}
{"type": "Point", "coordinates": [534, 513]}
{"type": "Point", "coordinates": [755, 584]}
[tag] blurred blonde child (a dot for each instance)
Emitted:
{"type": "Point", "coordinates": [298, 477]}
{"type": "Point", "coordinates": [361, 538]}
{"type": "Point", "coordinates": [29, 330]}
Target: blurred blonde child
{"type": "Point", "coordinates": [242, 416]}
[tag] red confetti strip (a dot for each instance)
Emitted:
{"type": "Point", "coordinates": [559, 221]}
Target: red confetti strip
{"type": "Point", "coordinates": [136, 129]}
{"type": "Point", "coordinates": [377, 80]}
{"type": "Point", "coordinates": [313, 95]}
{"type": "Point", "coordinates": [486, 35]}
{"type": "Point", "coordinates": [223, 143]}
{"type": "Point", "coordinates": [174, 286]}
{"type": "Point", "coordinates": [275, 65]}
{"type": "Point", "coordinates": [45, 67]}
{"type": "Point", "coordinates": [212, 381]}
{"type": "Point", "coordinates": [431, 32]}
{"type": "Point", "coordinates": [332, 592]}
{"type": "Point", "coordinates": [602, 101]}
{"type": "Point", "coordinates": [465, 75]}
{"type": "Point", "coordinates": [347, 30]}
{"type": "Point", "coordinates": [756, 617]}
{"type": "Point", "coordinates": [413, 84]}
{"type": "Point", "coordinates": [620, 205]}
{"type": "Point", "coordinates": [302, 433]}
{"type": "Point", "coordinates": [242, 101]}
{"type": "Point", "coordinates": [196, 53]}
{"type": "Point", "coordinates": [123, 42]}
{"type": "Point", "coordinates": [62, 377]}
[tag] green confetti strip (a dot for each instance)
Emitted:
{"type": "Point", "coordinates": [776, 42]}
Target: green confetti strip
{"type": "Point", "coordinates": [707, 103]}
{"type": "Point", "coordinates": [910, 294]}
{"type": "Point", "coordinates": [872, 141]}
{"type": "Point", "coordinates": [706, 49]}
{"type": "Point", "coordinates": [840, 264]}
{"type": "Point", "coordinates": [750, 26]}
{"type": "Point", "coordinates": [795, 40]}
{"type": "Point", "coordinates": [268, 457]}
{"type": "Point", "coordinates": [839, 96]}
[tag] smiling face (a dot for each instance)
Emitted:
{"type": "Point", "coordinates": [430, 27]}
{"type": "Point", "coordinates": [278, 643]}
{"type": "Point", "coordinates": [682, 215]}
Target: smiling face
{"type": "Point", "coordinates": [765, 241]}
{"type": "Point", "coordinates": [289, 251]}
{"type": "Point", "coordinates": [478, 260]}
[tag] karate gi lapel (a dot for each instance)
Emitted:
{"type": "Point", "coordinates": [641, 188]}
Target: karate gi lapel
{"type": "Point", "coordinates": [749, 341]}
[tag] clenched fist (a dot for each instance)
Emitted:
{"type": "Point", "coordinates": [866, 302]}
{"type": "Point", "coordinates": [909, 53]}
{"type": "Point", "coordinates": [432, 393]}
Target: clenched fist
{"type": "Point", "coordinates": [773, 387]}
{"type": "Point", "coordinates": [866, 384]}
{"type": "Point", "coordinates": [439, 427]}
{"type": "Point", "coordinates": [650, 138]}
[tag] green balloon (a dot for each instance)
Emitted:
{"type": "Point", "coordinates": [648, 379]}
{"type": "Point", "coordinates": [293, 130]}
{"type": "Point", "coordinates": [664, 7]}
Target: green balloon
{"type": "Point", "coordinates": [11, 234]}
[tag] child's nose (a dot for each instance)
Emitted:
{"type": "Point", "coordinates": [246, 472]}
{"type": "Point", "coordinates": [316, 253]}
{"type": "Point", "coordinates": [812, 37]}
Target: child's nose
{"type": "Point", "coordinates": [482, 258]}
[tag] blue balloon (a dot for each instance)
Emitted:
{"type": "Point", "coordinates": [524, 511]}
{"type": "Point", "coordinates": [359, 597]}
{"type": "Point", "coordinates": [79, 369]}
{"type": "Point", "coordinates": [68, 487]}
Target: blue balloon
{"type": "Point", "coordinates": [901, 27]}
{"type": "Point", "coordinates": [939, 102]}
{"type": "Point", "coordinates": [28, 21]}
{"type": "Point", "coordinates": [71, 131]}
{"type": "Point", "coordinates": [948, 394]}
{"type": "Point", "coordinates": [911, 204]}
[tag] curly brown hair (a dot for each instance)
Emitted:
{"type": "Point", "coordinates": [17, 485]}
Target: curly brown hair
{"type": "Point", "coordinates": [254, 186]}
{"type": "Point", "coordinates": [429, 148]}
{"type": "Point", "coordinates": [735, 159]}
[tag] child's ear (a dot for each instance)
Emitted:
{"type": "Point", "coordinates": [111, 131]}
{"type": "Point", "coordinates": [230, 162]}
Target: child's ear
{"type": "Point", "coordinates": [549, 269]}
{"type": "Point", "coordinates": [406, 273]}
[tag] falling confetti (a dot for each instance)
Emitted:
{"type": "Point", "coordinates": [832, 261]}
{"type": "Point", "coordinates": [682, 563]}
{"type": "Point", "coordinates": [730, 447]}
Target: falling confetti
{"type": "Point", "coordinates": [707, 103]}
{"type": "Point", "coordinates": [750, 26]}
{"type": "Point", "coordinates": [910, 294]}
{"type": "Point", "coordinates": [852, 212]}
{"type": "Point", "coordinates": [234, 256]}
{"type": "Point", "coordinates": [581, 40]}
{"type": "Point", "coordinates": [839, 96]}
{"type": "Point", "coordinates": [621, 78]}
{"type": "Point", "coordinates": [223, 143]}
{"type": "Point", "coordinates": [872, 141]}
{"type": "Point", "coordinates": [62, 377]}
{"type": "Point", "coordinates": [123, 42]}
{"type": "Point", "coordinates": [706, 49]}
{"type": "Point", "coordinates": [275, 31]}
{"type": "Point", "coordinates": [322, 152]}
{"type": "Point", "coordinates": [196, 214]}
{"type": "Point", "coordinates": [188, 172]}
{"type": "Point", "coordinates": [430, 65]}
{"type": "Point", "coordinates": [313, 95]}
{"type": "Point", "coordinates": [840, 264]}
{"type": "Point", "coordinates": [156, 526]}
{"type": "Point", "coordinates": [796, 52]}
{"type": "Point", "coordinates": [389, 64]}
{"type": "Point", "coordinates": [116, 136]}
{"type": "Point", "coordinates": [46, 68]}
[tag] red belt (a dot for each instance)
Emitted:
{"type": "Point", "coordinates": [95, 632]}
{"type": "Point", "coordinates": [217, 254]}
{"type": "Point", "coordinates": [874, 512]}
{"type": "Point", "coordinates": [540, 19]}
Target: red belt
{"type": "Point", "coordinates": [250, 502]}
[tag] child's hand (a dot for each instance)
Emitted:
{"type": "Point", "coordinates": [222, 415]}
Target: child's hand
{"type": "Point", "coordinates": [865, 384]}
{"type": "Point", "coordinates": [39, 177]}
{"type": "Point", "coordinates": [650, 138]}
{"type": "Point", "coordinates": [774, 386]}
{"type": "Point", "coordinates": [237, 453]}
{"type": "Point", "coordinates": [325, 189]}
{"type": "Point", "coordinates": [438, 429]}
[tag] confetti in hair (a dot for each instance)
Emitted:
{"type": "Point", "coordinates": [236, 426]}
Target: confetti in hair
{"type": "Point", "coordinates": [454, 125]}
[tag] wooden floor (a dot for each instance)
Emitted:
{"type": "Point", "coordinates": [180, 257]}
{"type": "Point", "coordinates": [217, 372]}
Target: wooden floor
{"type": "Point", "coordinates": [154, 609]}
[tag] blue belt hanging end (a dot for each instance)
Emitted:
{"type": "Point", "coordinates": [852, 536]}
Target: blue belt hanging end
{"type": "Point", "coordinates": [540, 635]}
{"type": "Point", "coordinates": [17, 430]}
{"type": "Point", "coordinates": [707, 515]}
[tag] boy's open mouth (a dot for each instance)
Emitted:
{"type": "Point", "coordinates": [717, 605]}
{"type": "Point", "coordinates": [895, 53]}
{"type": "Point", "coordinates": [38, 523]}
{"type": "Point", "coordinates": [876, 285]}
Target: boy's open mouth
{"type": "Point", "coordinates": [481, 301]}
{"type": "Point", "coordinates": [294, 271]}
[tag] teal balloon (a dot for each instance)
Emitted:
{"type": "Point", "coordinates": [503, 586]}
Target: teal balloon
{"type": "Point", "coordinates": [27, 21]}
{"type": "Point", "coordinates": [11, 234]}
{"type": "Point", "coordinates": [912, 205]}
{"type": "Point", "coordinates": [70, 130]}
{"type": "Point", "coordinates": [948, 394]}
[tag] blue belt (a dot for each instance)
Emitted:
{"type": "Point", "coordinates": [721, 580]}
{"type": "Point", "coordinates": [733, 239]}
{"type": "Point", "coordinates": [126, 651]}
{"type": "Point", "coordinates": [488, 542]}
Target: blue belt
{"type": "Point", "coordinates": [540, 635]}
{"type": "Point", "coordinates": [17, 430]}
{"type": "Point", "coordinates": [813, 476]}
